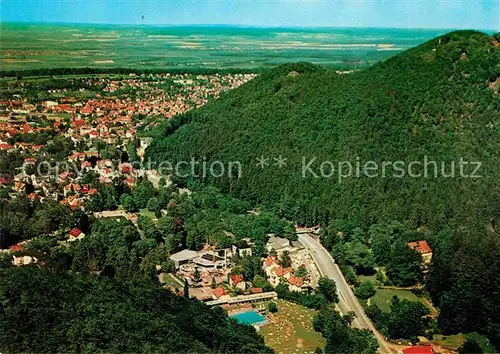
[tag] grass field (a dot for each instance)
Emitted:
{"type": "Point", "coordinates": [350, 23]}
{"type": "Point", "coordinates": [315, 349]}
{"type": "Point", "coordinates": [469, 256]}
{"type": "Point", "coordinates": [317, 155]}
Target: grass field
{"type": "Point", "coordinates": [455, 341]}
{"type": "Point", "coordinates": [371, 278]}
{"type": "Point", "coordinates": [290, 330]}
{"type": "Point", "coordinates": [147, 213]}
{"type": "Point", "coordinates": [383, 297]}
{"type": "Point", "coordinates": [41, 46]}
{"type": "Point", "coordinates": [171, 281]}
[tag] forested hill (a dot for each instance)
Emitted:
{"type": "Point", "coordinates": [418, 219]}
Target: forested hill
{"type": "Point", "coordinates": [62, 313]}
{"type": "Point", "coordinates": [438, 100]}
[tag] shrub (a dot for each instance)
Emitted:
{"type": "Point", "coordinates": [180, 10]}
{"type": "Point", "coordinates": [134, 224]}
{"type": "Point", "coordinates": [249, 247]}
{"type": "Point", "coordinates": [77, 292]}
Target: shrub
{"type": "Point", "coordinates": [365, 290]}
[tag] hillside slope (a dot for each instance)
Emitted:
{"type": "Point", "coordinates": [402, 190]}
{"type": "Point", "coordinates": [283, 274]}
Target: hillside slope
{"type": "Point", "coordinates": [42, 311]}
{"type": "Point", "coordinates": [434, 100]}
{"type": "Point", "coordinates": [439, 101]}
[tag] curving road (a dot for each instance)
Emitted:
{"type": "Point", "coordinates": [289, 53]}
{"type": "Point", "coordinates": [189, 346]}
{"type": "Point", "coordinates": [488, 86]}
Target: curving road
{"type": "Point", "coordinates": [347, 300]}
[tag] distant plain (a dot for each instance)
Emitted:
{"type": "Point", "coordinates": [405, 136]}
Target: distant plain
{"type": "Point", "coordinates": [41, 46]}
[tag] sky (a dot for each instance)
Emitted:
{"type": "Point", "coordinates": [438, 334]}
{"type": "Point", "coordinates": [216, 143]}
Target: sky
{"type": "Point", "coordinates": [453, 14]}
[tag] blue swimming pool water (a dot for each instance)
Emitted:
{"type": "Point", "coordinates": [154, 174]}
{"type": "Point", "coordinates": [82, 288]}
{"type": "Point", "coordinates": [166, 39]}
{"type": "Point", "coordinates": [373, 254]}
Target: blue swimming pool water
{"type": "Point", "coordinates": [248, 317]}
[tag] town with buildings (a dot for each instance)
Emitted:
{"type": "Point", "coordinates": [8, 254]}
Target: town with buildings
{"type": "Point", "coordinates": [80, 146]}
{"type": "Point", "coordinates": [209, 272]}
{"type": "Point", "coordinates": [93, 129]}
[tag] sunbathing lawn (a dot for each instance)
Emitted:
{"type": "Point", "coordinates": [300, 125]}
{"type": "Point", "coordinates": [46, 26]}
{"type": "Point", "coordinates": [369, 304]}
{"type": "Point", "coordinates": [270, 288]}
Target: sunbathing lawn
{"type": "Point", "coordinates": [290, 330]}
{"type": "Point", "coordinates": [455, 341]}
{"type": "Point", "coordinates": [383, 298]}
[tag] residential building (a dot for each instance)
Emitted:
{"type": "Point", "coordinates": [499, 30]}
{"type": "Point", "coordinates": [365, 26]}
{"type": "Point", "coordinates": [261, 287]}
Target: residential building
{"type": "Point", "coordinates": [238, 282]}
{"type": "Point", "coordinates": [424, 249]}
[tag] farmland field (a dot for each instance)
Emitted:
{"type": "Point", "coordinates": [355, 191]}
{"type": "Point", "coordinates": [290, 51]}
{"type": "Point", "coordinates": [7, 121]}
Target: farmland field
{"type": "Point", "coordinates": [42, 46]}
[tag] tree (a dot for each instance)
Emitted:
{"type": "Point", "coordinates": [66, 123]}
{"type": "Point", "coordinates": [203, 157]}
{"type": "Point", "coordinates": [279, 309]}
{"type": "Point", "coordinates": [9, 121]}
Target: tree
{"type": "Point", "coordinates": [340, 337]}
{"type": "Point", "coordinates": [61, 305]}
{"type": "Point", "coordinates": [380, 318]}
{"type": "Point", "coordinates": [109, 152]}
{"type": "Point", "coordinates": [168, 266]}
{"type": "Point", "coordinates": [5, 239]}
{"type": "Point", "coordinates": [272, 307]}
{"type": "Point", "coordinates": [405, 266]}
{"type": "Point", "coordinates": [359, 256]}
{"type": "Point", "coordinates": [186, 289]}
{"type": "Point", "coordinates": [470, 346]}
{"type": "Point", "coordinates": [285, 259]}
{"type": "Point", "coordinates": [260, 282]}
{"type": "Point", "coordinates": [365, 290]}
{"type": "Point", "coordinates": [196, 276]}
{"type": "Point", "coordinates": [153, 204]}
{"type": "Point", "coordinates": [128, 202]}
{"type": "Point", "coordinates": [381, 242]}
{"type": "Point", "coordinates": [301, 272]}
{"type": "Point", "coordinates": [406, 319]}
{"type": "Point", "coordinates": [143, 192]}
{"type": "Point", "coordinates": [328, 288]}
{"type": "Point", "coordinates": [4, 193]}
{"type": "Point", "coordinates": [214, 283]}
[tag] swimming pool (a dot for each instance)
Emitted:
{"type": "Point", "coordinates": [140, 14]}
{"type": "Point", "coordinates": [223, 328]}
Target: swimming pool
{"type": "Point", "coordinates": [249, 317]}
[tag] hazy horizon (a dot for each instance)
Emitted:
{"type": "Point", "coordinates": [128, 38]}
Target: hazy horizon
{"type": "Point", "coordinates": [241, 26]}
{"type": "Point", "coordinates": [399, 14]}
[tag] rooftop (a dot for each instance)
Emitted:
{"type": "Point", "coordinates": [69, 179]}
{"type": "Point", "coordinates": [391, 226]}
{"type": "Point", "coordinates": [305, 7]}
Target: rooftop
{"type": "Point", "coordinates": [278, 243]}
{"type": "Point", "coordinates": [184, 255]}
{"type": "Point", "coordinates": [235, 279]}
{"type": "Point", "coordinates": [423, 349]}
{"type": "Point", "coordinates": [420, 246]}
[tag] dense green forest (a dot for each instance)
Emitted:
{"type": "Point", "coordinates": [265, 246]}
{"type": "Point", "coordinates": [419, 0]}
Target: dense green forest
{"type": "Point", "coordinates": [436, 102]}
{"type": "Point", "coordinates": [102, 293]}
{"type": "Point", "coordinates": [57, 312]}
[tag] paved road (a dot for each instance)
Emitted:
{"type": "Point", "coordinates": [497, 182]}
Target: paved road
{"type": "Point", "coordinates": [347, 300]}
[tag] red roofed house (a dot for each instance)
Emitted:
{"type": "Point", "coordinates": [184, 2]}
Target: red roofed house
{"type": "Point", "coordinates": [218, 293]}
{"type": "Point", "coordinates": [295, 283]}
{"type": "Point", "coordinates": [424, 249]}
{"type": "Point", "coordinates": [6, 147]}
{"type": "Point", "coordinates": [29, 161]}
{"type": "Point", "coordinates": [16, 248]}
{"type": "Point", "coordinates": [269, 265]}
{"type": "Point", "coordinates": [86, 110]}
{"type": "Point", "coordinates": [270, 261]}
{"type": "Point", "coordinates": [75, 234]}
{"type": "Point", "coordinates": [64, 175]}
{"type": "Point", "coordinates": [283, 272]}
{"type": "Point", "coordinates": [277, 273]}
{"type": "Point", "coordinates": [237, 281]}
{"type": "Point", "coordinates": [33, 196]}
{"type": "Point", "coordinates": [257, 290]}
{"type": "Point", "coordinates": [423, 349]}
{"type": "Point", "coordinates": [79, 122]}
{"type": "Point", "coordinates": [66, 108]}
